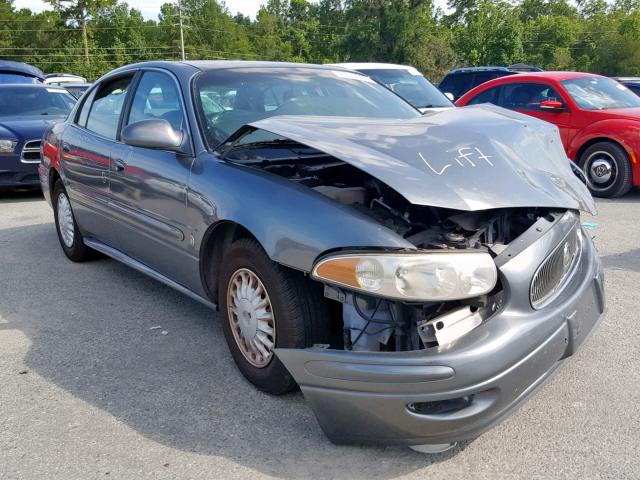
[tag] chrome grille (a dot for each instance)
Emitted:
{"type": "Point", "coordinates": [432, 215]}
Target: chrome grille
{"type": "Point", "coordinates": [31, 152]}
{"type": "Point", "coordinates": [555, 269]}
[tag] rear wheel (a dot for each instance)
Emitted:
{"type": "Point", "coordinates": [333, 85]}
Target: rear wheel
{"type": "Point", "coordinates": [607, 168]}
{"type": "Point", "coordinates": [68, 233]}
{"type": "Point", "coordinates": [263, 306]}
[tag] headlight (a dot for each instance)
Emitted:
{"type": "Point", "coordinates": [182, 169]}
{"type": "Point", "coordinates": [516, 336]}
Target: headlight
{"type": "Point", "coordinates": [425, 276]}
{"type": "Point", "coordinates": [7, 146]}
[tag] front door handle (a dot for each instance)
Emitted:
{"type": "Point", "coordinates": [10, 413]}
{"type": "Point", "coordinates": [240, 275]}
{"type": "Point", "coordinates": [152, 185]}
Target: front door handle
{"type": "Point", "coordinates": [119, 165]}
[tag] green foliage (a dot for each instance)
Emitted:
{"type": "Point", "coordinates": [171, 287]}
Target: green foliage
{"type": "Point", "coordinates": [90, 37]}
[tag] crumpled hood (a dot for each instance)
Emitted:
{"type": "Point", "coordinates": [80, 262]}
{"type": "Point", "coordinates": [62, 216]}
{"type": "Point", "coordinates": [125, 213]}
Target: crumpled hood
{"type": "Point", "coordinates": [28, 128]}
{"type": "Point", "coordinates": [472, 158]}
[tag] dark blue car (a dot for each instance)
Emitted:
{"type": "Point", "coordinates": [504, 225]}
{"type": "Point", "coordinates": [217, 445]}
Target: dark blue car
{"type": "Point", "coordinates": [26, 110]}
{"type": "Point", "coordinates": [18, 72]}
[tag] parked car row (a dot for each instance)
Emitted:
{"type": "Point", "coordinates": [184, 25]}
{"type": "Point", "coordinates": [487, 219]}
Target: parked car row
{"type": "Point", "coordinates": [605, 152]}
{"type": "Point", "coordinates": [417, 276]}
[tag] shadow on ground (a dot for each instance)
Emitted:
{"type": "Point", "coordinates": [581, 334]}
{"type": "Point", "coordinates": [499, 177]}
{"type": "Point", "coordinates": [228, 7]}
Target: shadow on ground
{"type": "Point", "coordinates": [632, 197]}
{"type": "Point", "coordinates": [20, 196]}
{"type": "Point", "coordinates": [629, 261]}
{"type": "Point", "coordinates": [91, 328]}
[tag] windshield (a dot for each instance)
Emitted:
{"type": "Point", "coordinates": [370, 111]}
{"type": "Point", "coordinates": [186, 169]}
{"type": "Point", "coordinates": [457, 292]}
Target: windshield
{"type": "Point", "coordinates": [17, 100]}
{"type": "Point", "coordinates": [410, 85]}
{"type": "Point", "coordinates": [596, 93]}
{"type": "Point", "coordinates": [236, 97]}
{"type": "Point", "coordinates": [17, 78]}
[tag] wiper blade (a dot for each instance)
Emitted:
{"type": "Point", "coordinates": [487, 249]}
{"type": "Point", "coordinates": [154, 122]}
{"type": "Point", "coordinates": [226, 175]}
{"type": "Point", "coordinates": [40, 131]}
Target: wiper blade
{"type": "Point", "coordinates": [269, 161]}
{"type": "Point", "coordinates": [267, 143]}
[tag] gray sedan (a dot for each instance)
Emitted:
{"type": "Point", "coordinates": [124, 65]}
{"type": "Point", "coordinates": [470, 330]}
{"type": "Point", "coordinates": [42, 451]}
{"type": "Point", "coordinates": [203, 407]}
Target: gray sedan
{"type": "Point", "coordinates": [418, 277]}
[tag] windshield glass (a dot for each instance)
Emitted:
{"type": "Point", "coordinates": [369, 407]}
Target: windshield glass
{"type": "Point", "coordinates": [17, 100]}
{"type": "Point", "coordinates": [596, 93]}
{"type": "Point", "coordinates": [239, 96]}
{"type": "Point", "coordinates": [17, 78]}
{"type": "Point", "coordinates": [410, 85]}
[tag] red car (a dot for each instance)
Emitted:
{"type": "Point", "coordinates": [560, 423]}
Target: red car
{"type": "Point", "coordinates": [598, 119]}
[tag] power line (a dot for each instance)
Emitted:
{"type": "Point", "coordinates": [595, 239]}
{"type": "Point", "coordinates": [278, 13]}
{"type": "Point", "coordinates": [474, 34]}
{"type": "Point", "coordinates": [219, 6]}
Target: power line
{"type": "Point", "coordinates": [81, 48]}
{"type": "Point", "coordinates": [93, 29]}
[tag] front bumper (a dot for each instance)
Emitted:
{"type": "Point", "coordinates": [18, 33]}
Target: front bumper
{"type": "Point", "coordinates": [16, 174]}
{"type": "Point", "coordinates": [363, 398]}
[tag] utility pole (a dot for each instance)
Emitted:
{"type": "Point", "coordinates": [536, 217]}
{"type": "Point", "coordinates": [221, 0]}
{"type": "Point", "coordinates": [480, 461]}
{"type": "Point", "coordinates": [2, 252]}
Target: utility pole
{"type": "Point", "coordinates": [85, 39]}
{"type": "Point", "coordinates": [181, 32]}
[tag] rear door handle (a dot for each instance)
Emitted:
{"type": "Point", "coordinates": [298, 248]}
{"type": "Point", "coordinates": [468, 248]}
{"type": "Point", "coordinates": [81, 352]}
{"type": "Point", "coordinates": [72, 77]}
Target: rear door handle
{"type": "Point", "coordinates": [119, 165]}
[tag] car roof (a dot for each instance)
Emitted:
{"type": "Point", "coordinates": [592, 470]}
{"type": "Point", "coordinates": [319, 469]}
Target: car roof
{"type": "Point", "coordinates": [36, 86]}
{"type": "Point", "coordinates": [20, 68]}
{"type": "Point", "coordinates": [533, 76]}
{"type": "Point", "coordinates": [551, 75]}
{"type": "Point", "coordinates": [479, 69]}
{"type": "Point", "coordinates": [207, 65]}
{"type": "Point", "coordinates": [218, 64]}
{"type": "Point", "coordinates": [371, 66]}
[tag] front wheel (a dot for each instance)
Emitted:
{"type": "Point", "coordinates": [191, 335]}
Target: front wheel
{"type": "Point", "coordinates": [68, 233]}
{"type": "Point", "coordinates": [607, 168]}
{"type": "Point", "coordinates": [263, 306]}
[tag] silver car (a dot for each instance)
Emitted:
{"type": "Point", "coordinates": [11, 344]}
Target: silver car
{"type": "Point", "coordinates": [417, 277]}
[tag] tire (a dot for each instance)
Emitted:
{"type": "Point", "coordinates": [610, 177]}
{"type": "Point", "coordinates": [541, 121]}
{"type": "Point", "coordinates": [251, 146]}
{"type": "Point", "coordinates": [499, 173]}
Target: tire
{"type": "Point", "coordinates": [607, 168]}
{"type": "Point", "coordinates": [295, 304]}
{"type": "Point", "coordinates": [70, 240]}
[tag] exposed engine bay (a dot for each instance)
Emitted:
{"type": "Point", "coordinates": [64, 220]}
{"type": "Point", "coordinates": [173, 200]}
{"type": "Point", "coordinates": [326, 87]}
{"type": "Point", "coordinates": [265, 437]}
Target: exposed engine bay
{"type": "Point", "coordinates": [368, 323]}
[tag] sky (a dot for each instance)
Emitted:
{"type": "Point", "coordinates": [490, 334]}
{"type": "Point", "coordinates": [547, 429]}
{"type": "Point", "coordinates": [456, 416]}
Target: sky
{"type": "Point", "coordinates": [150, 8]}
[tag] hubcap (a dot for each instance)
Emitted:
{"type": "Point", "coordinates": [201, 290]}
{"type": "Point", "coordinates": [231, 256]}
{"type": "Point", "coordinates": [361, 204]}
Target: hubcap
{"type": "Point", "coordinates": [600, 169]}
{"type": "Point", "coordinates": [65, 220]}
{"type": "Point", "coordinates": [251, 317]}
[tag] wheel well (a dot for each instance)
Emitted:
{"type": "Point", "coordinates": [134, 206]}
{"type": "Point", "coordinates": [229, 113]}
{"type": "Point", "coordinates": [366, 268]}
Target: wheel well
{"type": "Point", "coordinates": [594, 141]}
{"type": "Point", "coordinates": [54, 176]}
{"type": "Point", "coordinates": [216, 240]}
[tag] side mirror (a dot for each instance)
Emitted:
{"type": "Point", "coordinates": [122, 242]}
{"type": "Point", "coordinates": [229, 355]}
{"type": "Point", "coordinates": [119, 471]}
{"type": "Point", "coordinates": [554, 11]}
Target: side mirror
{"type": "Point", "coordinates": [450, 96]}
{"type": "Point", "coordinates": [154, 133]}
{"type": "Point", "coordinates": [551, 106]}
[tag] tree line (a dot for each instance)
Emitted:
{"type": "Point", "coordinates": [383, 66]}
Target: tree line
{"type": "Point", "coordinates": [90, 37]}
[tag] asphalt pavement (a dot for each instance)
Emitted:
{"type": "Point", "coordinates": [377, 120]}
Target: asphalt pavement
{"type": "Point", "coordinates": [105, 373]}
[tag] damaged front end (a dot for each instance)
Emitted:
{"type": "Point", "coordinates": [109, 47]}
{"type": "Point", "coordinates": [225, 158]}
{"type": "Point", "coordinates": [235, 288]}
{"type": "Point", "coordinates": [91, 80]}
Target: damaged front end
{"type": "Point", "coordinates": [437, 343]}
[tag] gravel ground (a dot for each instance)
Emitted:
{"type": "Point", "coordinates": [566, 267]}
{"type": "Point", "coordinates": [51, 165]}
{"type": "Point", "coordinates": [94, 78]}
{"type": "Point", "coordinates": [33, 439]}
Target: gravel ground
{"type": "Point", "coordinates": [89, 390]}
